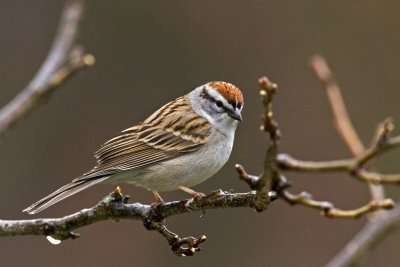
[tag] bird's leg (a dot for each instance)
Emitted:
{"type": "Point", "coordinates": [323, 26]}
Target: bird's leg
{"type": "Point", "coordinates": [158, 197]}
{"type": "Point", "coordinates": [191, 192]}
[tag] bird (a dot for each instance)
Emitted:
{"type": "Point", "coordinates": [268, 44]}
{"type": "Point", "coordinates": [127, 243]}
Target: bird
{"type": "Point", "coordinates": [180, 145]}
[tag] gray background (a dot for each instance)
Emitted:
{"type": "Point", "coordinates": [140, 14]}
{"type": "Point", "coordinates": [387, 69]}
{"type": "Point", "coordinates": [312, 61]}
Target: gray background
{"type": "Point", "coordinates": [150, 52]}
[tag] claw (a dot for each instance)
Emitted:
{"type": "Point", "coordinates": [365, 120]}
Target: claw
{"type": "Point", "coordinates": [188, 203]}
{"type": "Point", "coordinates": [194, 195]}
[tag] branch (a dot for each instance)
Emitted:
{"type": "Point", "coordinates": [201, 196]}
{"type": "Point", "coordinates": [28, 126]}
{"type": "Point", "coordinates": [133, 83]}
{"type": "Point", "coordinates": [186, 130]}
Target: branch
{"type": "Point", "coordinates": [115, 207]}
{"type": "Point", "coordinates": [327, 209]}
{"type": "Point", "coordinates": [265, 182]}
{"type": "Point", "coordinates": [340, 114]}
{"type": "Point", "coordinates": [63, 60]}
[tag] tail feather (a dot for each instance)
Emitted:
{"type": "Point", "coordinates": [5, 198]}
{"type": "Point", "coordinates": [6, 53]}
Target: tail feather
{"type": "Point", "coordinates": [62, 193]}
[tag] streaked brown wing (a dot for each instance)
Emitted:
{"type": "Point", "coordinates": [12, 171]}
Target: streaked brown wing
{"type": "Point", "coordinates": [169, 132]}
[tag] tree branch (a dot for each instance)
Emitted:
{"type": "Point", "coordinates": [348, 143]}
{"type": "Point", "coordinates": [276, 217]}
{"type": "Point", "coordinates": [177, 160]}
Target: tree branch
{"type": "Point", "coordinates": [327, 209]}
{"type": "Point", "coordinates": [63, 60]}
{"type": "Point", "coordinates": [115, 207]}
{"type": "Point", "coordinates": [270, 176]}
{"type": "Point", "coordinates": [341, 116]}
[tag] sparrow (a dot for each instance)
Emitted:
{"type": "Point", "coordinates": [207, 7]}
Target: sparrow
{"type": "Point", "coordinates": [180, 145]}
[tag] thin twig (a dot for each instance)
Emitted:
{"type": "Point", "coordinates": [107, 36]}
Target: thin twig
{"type": "Point", "coordinates": [341, 116]}
{"type": "Point", "coordinates": [270, 175]}
{"type": "Point", "coordinates": [267, 91]}
{"type": "Point", "coordinates": [287, 162]}
{"type": "Point", "coordinates": [264, 183]}
{"type": "Point", "coordinates": [381, 141]}
{"type": "Point", "coordinates": [251, 180]}
{"type": "Point", "coordinates": [327, 209]}
{"type": "Point", "coordinates": [186, 246]}
{"type": "Point", "coordinates": [58, 66]}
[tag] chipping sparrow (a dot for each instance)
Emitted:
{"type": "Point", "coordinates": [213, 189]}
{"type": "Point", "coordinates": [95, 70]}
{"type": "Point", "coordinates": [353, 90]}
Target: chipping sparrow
{"type": "Point", "coordinates": [180, 145]}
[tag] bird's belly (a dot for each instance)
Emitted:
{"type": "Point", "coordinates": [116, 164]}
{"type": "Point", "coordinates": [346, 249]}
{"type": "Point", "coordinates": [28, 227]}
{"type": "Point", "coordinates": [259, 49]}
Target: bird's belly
{"type": "Point", "coordinates": [187, 170]}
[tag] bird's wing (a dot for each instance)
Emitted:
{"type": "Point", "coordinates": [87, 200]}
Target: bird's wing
{"type": "Point", "coordinates": [171, 131]}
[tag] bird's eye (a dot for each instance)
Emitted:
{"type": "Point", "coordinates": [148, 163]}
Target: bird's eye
{"type": "Point", "coordinates": [218, 103]}
{"type": "Point", "coordinates": [239, 106]}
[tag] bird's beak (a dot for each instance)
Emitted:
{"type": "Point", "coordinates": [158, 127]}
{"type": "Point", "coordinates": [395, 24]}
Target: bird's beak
{"type": "Point", "coordinates": [235, 114]}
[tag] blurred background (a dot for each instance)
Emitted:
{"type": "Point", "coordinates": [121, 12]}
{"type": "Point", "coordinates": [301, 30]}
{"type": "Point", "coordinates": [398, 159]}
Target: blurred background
{"type": "Point", "coordinates": [149, 53]}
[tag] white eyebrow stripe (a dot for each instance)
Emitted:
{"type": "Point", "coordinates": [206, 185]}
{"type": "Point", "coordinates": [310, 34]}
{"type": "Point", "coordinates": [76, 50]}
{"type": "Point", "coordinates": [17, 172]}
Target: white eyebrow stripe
{"type": "Point", "coordinates": [217, 96]}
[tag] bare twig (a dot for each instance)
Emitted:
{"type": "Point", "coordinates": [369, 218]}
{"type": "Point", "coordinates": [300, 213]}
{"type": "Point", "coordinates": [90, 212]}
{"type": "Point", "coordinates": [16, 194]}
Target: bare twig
{"type": "Point", "coordinates": [270, 175]}
{"type": "Point", "coordinates": [186, 246]}
{"type": "Point", "coordinates": [63, 59]}
{"type": "Point", "coordinates": [263, 184]}
{"type": "Point", "coordinates": [341, 117]}
{"type": "Point", "coordinates": [327, 209]}
{"type": "Point", "coordinates": [287, 162]}
{"type": "Point", "coordinates": [267, 91]}
{"type": "Point", "coordinates": [251, 180]}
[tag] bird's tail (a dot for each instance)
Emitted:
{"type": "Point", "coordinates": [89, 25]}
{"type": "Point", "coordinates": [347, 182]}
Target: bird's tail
{"type": "Point", "coordinates": [63, 192]}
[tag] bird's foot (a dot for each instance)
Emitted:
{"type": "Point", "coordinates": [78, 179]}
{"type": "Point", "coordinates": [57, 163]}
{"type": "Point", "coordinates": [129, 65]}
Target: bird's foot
{"type": "Point", "coordinates": [195, 195]}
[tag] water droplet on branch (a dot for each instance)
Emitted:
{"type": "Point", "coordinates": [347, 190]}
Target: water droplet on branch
{"type": "Point", "coordinates": [53, 241]}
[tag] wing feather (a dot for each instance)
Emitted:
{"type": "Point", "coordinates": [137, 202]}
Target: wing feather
{"type": "Point", "coordinates": [169, 132]}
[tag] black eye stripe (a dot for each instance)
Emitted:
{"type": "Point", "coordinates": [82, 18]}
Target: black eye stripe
{"type": "Point", "coordinates": [206, 95]}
